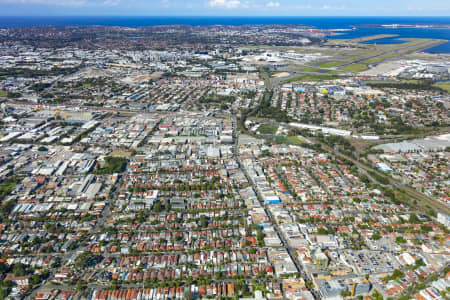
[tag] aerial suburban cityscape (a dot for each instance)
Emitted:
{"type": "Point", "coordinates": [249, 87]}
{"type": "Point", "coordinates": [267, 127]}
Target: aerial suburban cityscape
{"type": "Point", "coordinates": [258, 161]}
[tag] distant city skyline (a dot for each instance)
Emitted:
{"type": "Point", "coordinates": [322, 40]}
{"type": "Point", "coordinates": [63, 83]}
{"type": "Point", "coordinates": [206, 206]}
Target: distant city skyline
{"type": "Point", "coordinates": [224, 8]}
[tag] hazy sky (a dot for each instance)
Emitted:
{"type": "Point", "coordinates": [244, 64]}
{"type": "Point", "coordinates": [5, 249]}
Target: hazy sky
{"type": "Point", "coordinates": [227, 7]}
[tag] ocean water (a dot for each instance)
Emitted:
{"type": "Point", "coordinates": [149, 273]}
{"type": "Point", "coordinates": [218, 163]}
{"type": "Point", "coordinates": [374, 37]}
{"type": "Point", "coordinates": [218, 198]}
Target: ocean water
{"type": "Point", "coordinates": [316, 22]}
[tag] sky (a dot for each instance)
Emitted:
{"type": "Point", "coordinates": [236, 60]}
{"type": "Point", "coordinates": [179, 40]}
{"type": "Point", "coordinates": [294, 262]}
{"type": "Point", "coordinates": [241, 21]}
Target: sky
{"type": "Point", "coordinates": [225, 7]}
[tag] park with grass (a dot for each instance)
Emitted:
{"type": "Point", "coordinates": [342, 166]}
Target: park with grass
{"type": "Point", "coordinates": [111, 165]}
{"type": "Point", "coordinates": [267, 129]}
{"type": "Point", "coordinates": [443, 86]}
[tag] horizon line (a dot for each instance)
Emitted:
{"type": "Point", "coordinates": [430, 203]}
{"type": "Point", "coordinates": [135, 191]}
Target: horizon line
{"type": "Point", "coordinates": [229, 16]}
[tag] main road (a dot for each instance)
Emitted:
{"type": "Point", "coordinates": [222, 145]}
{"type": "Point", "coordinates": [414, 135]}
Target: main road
{"type": "Point", "coordinates": [305, 275]}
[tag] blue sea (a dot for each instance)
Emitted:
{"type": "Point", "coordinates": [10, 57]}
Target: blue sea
{"type": "Point", "coordinates": [316, 22]}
